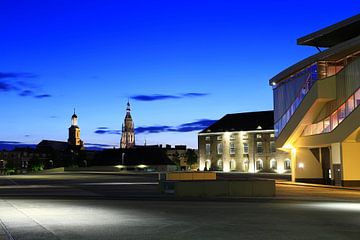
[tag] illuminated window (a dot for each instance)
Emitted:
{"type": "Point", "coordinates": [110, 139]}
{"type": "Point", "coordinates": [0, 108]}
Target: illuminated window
{"type": "Point", "coordinates": [232, 148]}
{"type": "Point", "coordinates": [350, 104]}
{"type": "Point", "coordinates": [207, 138]}
{"type": "Point", "coordinates": [258, 135]}
{"type": "Point", "coordinates": [357, 97]}
{"type": "Point", "coordinates": [232, 164]}
{"type": "Point", "coordinates": [246, 165]}
{"type": "Point", "coordinates": [259, 147]}
{"type": "Point", "coordinates": [273, 164]}
{"type": "Point", "coordinates": [341, 113]}
{"type": "Point", "coordinates": [259, 164]}
{"type": "Point", "coordinates": [287, 164]}
{"type": "Point", "coordinates": [207, 149]}
{"type": "Point", "coordinates": [272, 146]}
{"type": "Point", "coordinates": [220, 164]}
{"type": "Point", "coordinates": [219, 148]}
{"type": "Point", "coordinates": [272, 135]}
{"type": "Point", "coordinates": [334, 120]}
{"type": "Point", "coordinates": [246, 148]}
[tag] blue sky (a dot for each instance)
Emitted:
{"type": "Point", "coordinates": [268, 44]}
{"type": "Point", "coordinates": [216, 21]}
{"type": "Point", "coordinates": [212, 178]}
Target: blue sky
{"type": "Point", "coordinates": [179, 63]}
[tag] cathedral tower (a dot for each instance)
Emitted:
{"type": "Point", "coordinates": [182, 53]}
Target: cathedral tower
{"type": "Point", "coordinates": [74, 133]}
{"type": "Point", "coordinates": [128, 133]}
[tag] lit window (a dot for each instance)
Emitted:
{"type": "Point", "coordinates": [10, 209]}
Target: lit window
{"type": "Point", "coordinates": [246, 148]}
{"type": "Point", "coordinates": [350, 105]}
{"type": "Point", "coordinates": [341, 113]}
{"type": "Point", "coordinates": [259, 164]}
{"type": "Point", "coordinates": [220, 164]}
{"type": "Point", "coordinates": [272, 146]}
{"type": "Point", "coordinates": [259, 147]}
{"type": "Point", "coordinates": [232, 165]}
{"type": "Point", "coordinates": [246, 165]}
{"type": "Point", "coordinates": [272, 135]}
{"type": "Point", "coordinates": [219, 138]}
{"type": "Point", "coordinates": [232, 148]}
{"type": "Point", "coordinates": [207, 138]}
{"type": "Point", "coordinates": [357, 97]}
{"type": "Point", "coordinates": [273, 164]}
{"type": "Point", "coordinates": [207, 149]}
{"type": "Point", "coordinates": [258, 135]}
{"type": "Point", "coordinates": [287, 164]}
{"type": "Point", "coordinates": [219, 148]}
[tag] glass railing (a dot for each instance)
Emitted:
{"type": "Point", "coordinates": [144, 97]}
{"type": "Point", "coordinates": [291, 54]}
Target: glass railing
{"type": "Point", "coordinates": [331, 122]}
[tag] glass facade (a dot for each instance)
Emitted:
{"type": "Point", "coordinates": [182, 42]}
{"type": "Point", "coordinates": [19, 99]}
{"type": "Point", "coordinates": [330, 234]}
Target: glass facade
{"type": "Point", "coordinates": [331, 122]}
{"type": "Point", "coordinates": [289, 94]}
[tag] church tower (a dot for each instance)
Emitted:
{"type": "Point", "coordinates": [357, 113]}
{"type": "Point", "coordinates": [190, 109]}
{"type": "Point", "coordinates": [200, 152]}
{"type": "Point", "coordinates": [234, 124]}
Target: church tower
{"type": "Point", "coordinates": [128, 133]}
{"type": "Point", "coordinates": [74, 133]}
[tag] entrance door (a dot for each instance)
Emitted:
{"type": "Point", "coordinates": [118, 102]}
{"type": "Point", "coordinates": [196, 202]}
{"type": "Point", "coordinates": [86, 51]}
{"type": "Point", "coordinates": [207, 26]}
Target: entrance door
{"type": "Point", "coordinates": [325, 162]}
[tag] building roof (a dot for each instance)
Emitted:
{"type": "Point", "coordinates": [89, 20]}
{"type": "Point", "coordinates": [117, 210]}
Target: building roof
{"type": "Point", "coordinates": [332, 54]}
{"type": "Point", "coordinates": [52, 145]}
{"type": "Point", "coordinates": [333, 34]}
{"type": "Point", "coordinates": [247, 121]}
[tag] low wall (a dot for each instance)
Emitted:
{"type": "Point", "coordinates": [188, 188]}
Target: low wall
{"type": "Point", "coordinates": [190, 176]}
{"type": "Point", "coordinates": [237, 188]}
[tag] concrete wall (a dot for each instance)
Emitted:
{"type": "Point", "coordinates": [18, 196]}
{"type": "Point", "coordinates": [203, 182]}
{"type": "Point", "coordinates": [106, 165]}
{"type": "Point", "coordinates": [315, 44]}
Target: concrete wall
{"type": "Point", "coordinates": [312, 168]}
{"type": "Point", "coordinates": [351, 163]}
{"type": "Point", "coordinates": [249, 188]}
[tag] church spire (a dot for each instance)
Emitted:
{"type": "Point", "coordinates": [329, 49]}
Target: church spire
{"type": "Point", "coordinates": [128, 133]}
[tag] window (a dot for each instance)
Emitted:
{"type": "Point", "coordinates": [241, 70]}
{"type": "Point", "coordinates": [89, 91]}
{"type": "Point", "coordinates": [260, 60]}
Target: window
{"type": "Point", "coordinates": [207, 149]}
{"type": "Point", "coordinates": [327, 125]}
{"type": "Point", "coordinates": [220, 164]}
{"type": "Point", "coordinates": [334, 121]}
{"type": "Point", "coordinates": [272, 135]}
{"type": "Point", "coordinates": [207, 165]}
{"type": "Point", "coordinates": [207, 138]}
{"type": "Point", "coordinates": [259, 147]}
{"type": "Point", "coordinates": [232, 164]}
{"type": "Point", "coordinates": [219, 138]}
{"type": "Point", "coordinates": [232, 137]}
{"type": "Point", "coordinates": [258, 135]}
{"type": "Point", "coordinates": [219, 148]}
{"type": "Point", "coordinates": [341, 113]}
{"type": "Point", "coordinates": [350, 105]}
{"type": "Point", "coordinates": [232, 148]}
{"type": "Point", "coordinates": [273, 164]}
{"type": "Point", "coordinates": [357, 97]}
{"type": "Point", "coordinates": [287, 164]}
{"type": "Point", "coordinates": [246, 165]}
{"type": "Point", "coordinates": [246, 148]}
{"type": "Point", "coordinates": [245, 136]}
{"type": "Point", "coordinates": [272, 146]}
{"type": "Point", "coordinates": [259, 164]}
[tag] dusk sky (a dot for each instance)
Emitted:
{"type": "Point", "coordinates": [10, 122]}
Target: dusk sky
{"type": "Point", "coordinates": [181, 63]}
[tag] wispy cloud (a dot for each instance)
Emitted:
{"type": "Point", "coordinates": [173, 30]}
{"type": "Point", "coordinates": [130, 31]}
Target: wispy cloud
{"type": "Point", "coordinates": [185, 127]}
{"type": "Point", "coordinates": [105, 130]}
{"type": "Point", "coordinates": [158, 97]}
{"type": "Point", "coordinates": [9, 81]}
{"type": "Point", "coordinates": [42, 96]}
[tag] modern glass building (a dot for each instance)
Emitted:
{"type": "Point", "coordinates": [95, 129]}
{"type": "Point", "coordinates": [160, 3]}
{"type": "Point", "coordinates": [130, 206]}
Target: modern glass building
{"type": "Point", "coordinates": [316, 107]}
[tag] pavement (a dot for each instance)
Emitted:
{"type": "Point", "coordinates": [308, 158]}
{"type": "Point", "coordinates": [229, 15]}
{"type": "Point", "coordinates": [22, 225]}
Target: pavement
{"type": "Point", "coordinates": [104, 206]}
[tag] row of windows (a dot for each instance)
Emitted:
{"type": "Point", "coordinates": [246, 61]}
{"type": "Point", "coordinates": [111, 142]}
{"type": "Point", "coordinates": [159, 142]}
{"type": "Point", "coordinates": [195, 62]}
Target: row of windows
{"type": "Point", "coordinates": [332, 121]}
{"type": "Point", "coordinates": [232, 149]}
{"type": "Point", "coordinates": [233, 137]}
{"type": "Point", "coordinates": [259, 164]}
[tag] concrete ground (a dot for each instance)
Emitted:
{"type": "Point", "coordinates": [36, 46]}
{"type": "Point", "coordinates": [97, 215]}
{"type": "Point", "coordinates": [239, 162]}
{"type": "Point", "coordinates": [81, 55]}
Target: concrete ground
{"type": "Point", "coordinates": [103, 206]}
